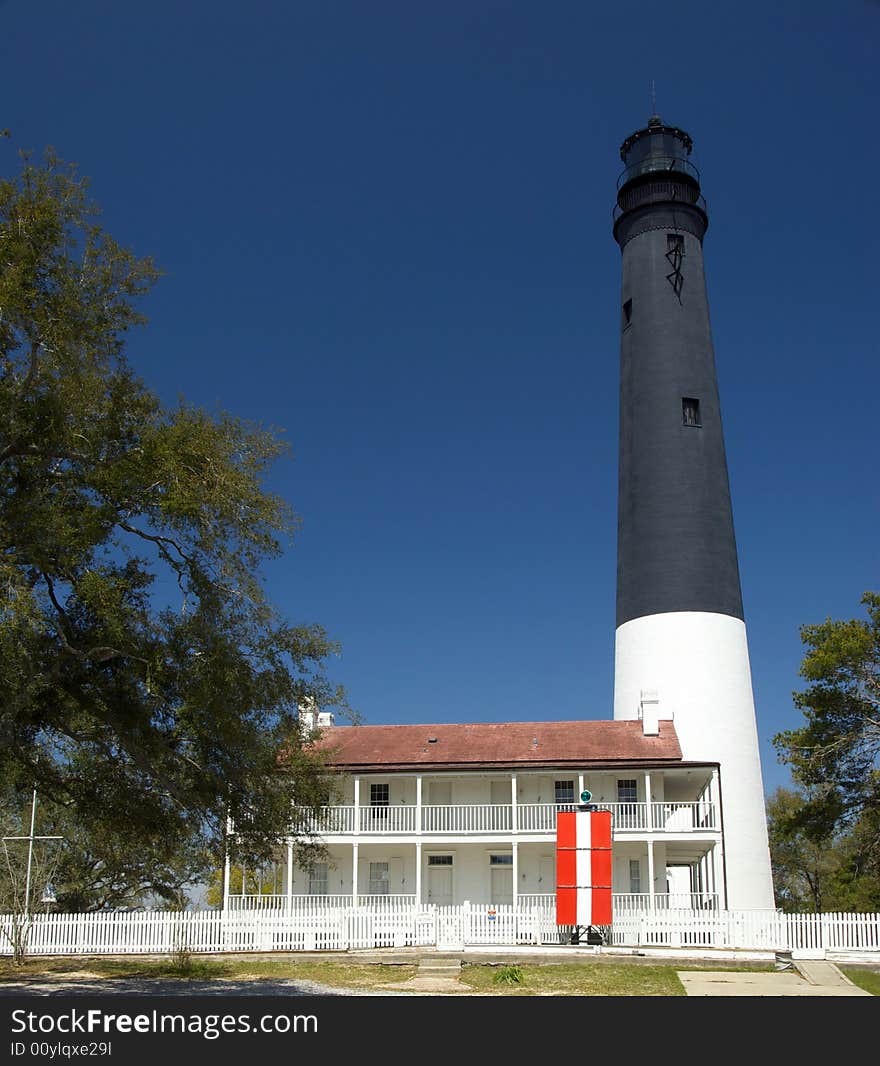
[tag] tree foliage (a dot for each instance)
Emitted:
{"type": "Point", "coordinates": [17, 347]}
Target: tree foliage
{"type": "Point", "coordinates": [803, 867]}
{"type": "Point", "coordinates": [835, 753]}
{"type": "Point", "coordinates": [835, 872]}
{"type": "Point", "coordinates": [833, 756]}
{"type": "Point", "coordinates": [147, 685]}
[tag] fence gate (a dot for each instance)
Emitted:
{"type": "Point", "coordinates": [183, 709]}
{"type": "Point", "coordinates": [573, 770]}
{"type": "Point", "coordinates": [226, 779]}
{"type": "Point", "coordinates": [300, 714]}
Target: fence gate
{"type": "Point", "coordinates": [450, 929]}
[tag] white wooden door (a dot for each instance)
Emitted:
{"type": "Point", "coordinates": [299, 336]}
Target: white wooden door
{"type": "Point", "coordinates": [501, 884]}
{"type": "Point", "coordinates": [440, 885]}
{"type": "Point", "coordinates": [547, 875]}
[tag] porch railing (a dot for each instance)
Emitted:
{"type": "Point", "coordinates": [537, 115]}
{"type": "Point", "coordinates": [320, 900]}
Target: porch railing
{"type": "Point", "coordinates": [683, 817]}
{"type": "Point", "coordinates": [467, 818]}
{"type": "Point", "coordinates": [299, 904]}
{"type": "Point", "coordinates": [397, 819]}
{"type": "Point", "coordinates": [623, 903]}
{"type": "Point", "coordinates": [665, 817]}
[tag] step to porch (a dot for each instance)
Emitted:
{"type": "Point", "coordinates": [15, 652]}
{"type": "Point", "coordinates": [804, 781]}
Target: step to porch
{"type": "Point", "coordinates": [448, 968]}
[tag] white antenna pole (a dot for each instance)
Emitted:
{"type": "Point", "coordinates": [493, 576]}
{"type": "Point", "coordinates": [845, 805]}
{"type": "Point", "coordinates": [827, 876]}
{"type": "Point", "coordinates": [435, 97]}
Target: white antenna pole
{"type": "Point", "coordinates": [27, 886]}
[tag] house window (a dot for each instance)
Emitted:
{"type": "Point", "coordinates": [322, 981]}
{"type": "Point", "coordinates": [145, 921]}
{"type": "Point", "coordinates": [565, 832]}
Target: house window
{"type": "Point", "coordinates": [505, 859]}
{"type": "Point", "coordinates": [564, 791]}
{"type": "Point", "coordinates": [378, 879]}
{"type": "Point", "coordinates": [627, 791]}
{"type": "Point", "coordinates": [635, 876]}
{"type": "Point", "coordinates": [690, 411]}
{"type": "Point", "coordinates": [439, 860]}
{"type": "Point", "coordinates": [379, 801]}
{"type": "Point", "coordinates": [318, 879]}
{"type": "Point", "coordinates": [627, 313]}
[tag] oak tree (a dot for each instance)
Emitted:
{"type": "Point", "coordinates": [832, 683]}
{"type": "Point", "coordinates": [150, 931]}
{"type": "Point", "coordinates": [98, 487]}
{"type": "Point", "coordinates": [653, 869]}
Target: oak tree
{"type": "Point", "coordinates": [833, 756]}
{"type": "Point", "coordinates": [152, 715]}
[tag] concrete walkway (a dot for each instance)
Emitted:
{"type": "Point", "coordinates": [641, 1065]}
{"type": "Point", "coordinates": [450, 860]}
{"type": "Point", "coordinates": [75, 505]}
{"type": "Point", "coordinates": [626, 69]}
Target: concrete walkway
{"type": "Point", "coordinates": [805, 979]}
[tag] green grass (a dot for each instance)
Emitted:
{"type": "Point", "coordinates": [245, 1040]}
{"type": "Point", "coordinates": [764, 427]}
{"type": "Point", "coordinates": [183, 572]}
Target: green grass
{"type": "Point", "coordinates": [508, 975]}
{"type": "Point", "coordinates": [578, 979]}
{"type": "Point", "coordinates": [869, 980]}
{"type": "Point", "coordinates": [586, 977]}
{"type": "Point", "coordinates": [342, 974]}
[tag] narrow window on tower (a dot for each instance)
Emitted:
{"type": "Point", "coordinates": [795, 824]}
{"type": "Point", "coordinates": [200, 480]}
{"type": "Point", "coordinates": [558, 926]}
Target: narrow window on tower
{"type": "Point", "coordinates": [690, 411]}
{"type": "Point", "coordinates": [627, 313]}
{"type": "Point", "coordinates": [674, 256]}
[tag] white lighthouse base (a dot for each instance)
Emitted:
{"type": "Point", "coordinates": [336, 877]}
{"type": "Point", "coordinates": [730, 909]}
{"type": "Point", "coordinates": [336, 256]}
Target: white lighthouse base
{"type": "Point", "coordinates": [699, 665]}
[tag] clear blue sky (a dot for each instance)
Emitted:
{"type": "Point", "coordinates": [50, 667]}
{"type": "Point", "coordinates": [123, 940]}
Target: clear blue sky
{"type": "Point", "coordinates": [385, 228]}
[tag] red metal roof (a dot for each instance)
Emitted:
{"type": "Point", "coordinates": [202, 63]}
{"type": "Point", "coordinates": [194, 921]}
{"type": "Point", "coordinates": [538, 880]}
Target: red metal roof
{"type": "Point", "coordinates": [474, 744]}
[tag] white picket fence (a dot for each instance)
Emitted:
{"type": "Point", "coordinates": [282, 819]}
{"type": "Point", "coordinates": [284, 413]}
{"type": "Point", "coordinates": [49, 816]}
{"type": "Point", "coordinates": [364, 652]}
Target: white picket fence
{"type": "Point", "coordinates": [335, 925]}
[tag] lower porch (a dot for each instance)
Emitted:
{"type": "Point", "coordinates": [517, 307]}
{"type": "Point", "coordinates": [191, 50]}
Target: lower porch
{"type": "Point", "coordinates": [646, 876]}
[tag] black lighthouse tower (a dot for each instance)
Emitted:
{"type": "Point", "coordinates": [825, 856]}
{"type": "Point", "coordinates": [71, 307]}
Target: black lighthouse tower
{"type": "Point", "coordinates": [681, 641]}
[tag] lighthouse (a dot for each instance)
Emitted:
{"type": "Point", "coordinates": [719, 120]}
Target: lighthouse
{"type": "Point", "coordinates": [681, 638]}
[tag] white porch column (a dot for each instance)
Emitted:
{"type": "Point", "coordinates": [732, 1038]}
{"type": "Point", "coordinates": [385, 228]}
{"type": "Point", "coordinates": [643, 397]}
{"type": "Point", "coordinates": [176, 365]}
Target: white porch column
{"type": "Point", "coordinates": [649, 812]}
{"type": "Point", "coordinates": [580, 786]}
{"type": "Point", "coordinates": [354, 874]}
{"type": "Point", "coordinates": [651, 874]}
{"type": "Point", "coordinates": [718, 857]}
{"type": "Point", "coordinates": [514, 823]}
{"type": "Point", "coordinates": [419, 805]}
{"type": "Point", "coordinates": [357, 806]}
{"type": "Point", "coordinates": [718, 875]}
{"type": "Point", "coordinates": [515, 898]}
{"type": "Point", "coordinates": [289, 876]}
{"type": "Point", "coordinates": [419, 870]}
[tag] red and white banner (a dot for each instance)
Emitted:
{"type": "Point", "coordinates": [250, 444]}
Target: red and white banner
{"type": "Point", "coordinates": [583, 868]}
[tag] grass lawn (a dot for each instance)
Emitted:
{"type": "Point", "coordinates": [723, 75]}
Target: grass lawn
{"type": "Point", "coordinates": [576, 979]}
{"type": "Point", "coordinates": [869, 980]}
{"type": "Point", "coordinates": [606, 977]}
{"type": "Point", "coordinates": [342, 974]}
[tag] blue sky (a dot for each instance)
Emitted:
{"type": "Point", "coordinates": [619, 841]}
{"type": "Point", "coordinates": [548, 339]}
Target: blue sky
{"type": "Point", "coordinates": [386, 228]}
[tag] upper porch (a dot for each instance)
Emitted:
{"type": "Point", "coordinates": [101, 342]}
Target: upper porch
{"type": "Point", "coordinates": [524, 819]}
{"type": "Point", "coordinates": [515, 805]}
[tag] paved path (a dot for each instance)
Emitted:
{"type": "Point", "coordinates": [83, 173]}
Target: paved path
{"type": "Point", "coordinates": [806, 979]}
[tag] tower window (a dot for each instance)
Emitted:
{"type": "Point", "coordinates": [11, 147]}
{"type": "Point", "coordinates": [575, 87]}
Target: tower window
{"type": "Point", "coordinates": [674, 256]}
{"type": "Point", "coordinates": [690, 411]}
{"type": "Point", "coordinates": [627, 313]}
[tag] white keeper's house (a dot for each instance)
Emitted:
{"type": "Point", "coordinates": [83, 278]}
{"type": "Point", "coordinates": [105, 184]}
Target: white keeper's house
{"type": "Point", "coordinates": [466, 813]}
